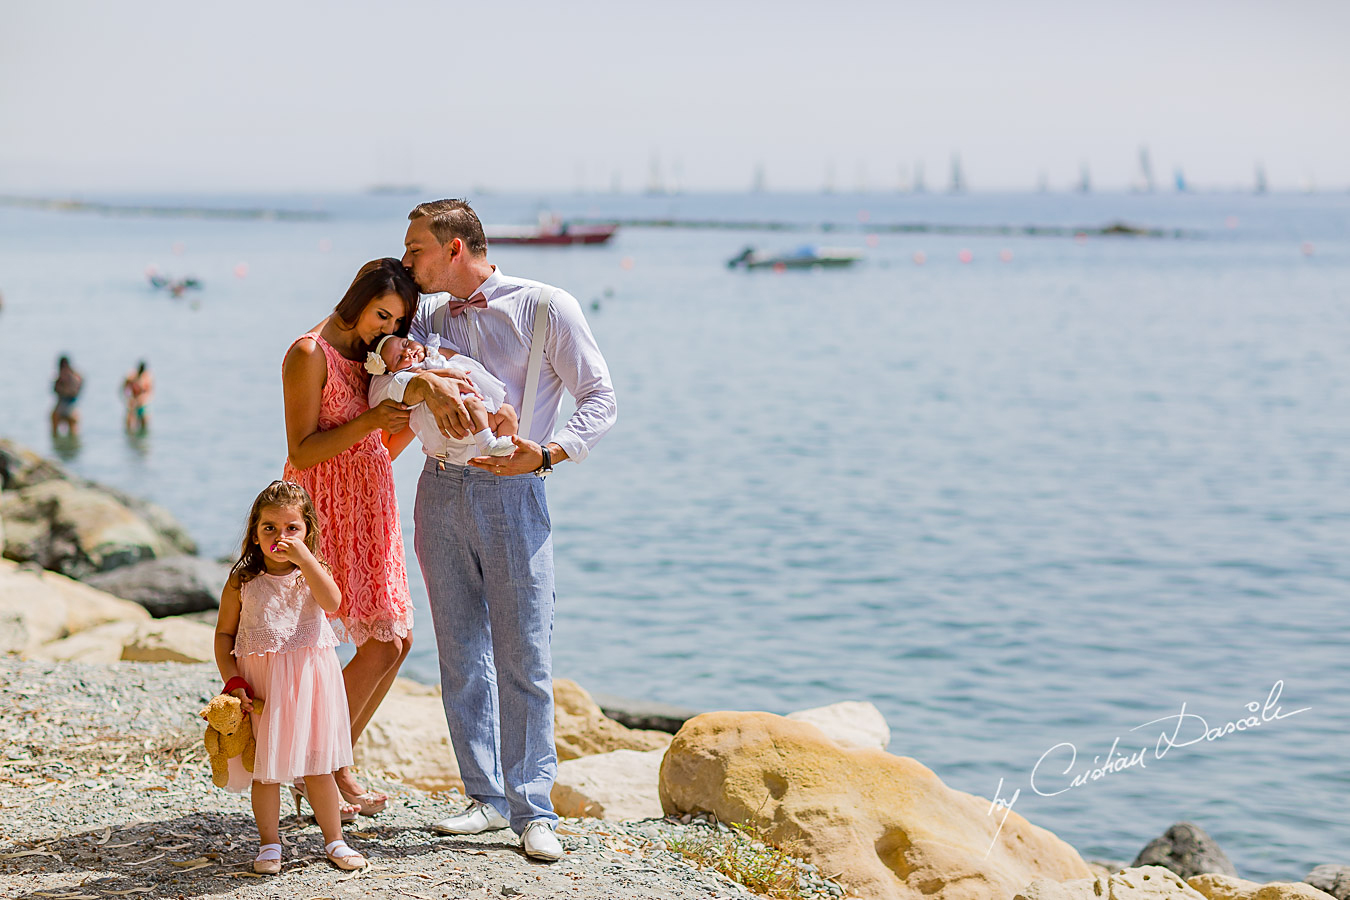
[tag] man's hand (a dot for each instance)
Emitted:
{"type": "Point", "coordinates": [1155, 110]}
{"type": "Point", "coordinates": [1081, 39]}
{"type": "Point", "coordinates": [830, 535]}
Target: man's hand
{"type": "Point", "coordinates": [527, 457]}
{"type": "Point", "coordinates": [466, 385]}
{"type": "Point", "coordinates": [442, 398]}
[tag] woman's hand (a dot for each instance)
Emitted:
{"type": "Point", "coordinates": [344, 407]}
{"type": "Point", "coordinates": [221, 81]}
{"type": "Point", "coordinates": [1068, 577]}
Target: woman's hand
{"type": "Point", "coordinates": [389, 415]}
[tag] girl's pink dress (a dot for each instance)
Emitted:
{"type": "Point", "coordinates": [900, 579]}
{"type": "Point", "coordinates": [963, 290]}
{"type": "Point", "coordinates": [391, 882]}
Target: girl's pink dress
{"type": "Point", "coordinates": [359, 532]}
{"type": "Point", "coordinates": [284, 647]}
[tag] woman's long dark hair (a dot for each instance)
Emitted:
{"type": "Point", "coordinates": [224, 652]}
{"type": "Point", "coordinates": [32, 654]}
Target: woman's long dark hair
{"type": "Point", "coordinates": [375, 279]}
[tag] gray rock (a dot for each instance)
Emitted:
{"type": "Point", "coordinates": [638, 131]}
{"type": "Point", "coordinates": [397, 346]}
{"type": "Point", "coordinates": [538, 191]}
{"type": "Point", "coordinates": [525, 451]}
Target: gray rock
{"type": "Point", "coordinates": [167, 587]}
{"type": "Point", "coordinates": [648, 715]}
{"type": "Point", "coordinates": [21, 467]}
{"type": "Point", "coordinates": [1186, 850]}
{"type": "Point", "coordinates": [77, 527]}
{"type": "Point", "coordinates": [1334, 880]}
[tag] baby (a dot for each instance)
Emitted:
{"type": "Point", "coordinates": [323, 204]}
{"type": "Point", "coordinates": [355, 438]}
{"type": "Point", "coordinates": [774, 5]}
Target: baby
{"type": "Point", "coordinates": [494, 421]}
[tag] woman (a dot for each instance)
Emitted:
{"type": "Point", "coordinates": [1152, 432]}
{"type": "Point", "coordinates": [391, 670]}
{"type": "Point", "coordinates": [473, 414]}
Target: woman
{"type": "Point", "coordinates": [138, 388]}
{"type": "Point", "coordinates": [340, 450]}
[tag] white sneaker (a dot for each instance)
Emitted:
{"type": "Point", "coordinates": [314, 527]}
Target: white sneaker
{"type": "Point", "coordinates": [540, 842]}
{"type": "Point", "coordinates": [479, 817]}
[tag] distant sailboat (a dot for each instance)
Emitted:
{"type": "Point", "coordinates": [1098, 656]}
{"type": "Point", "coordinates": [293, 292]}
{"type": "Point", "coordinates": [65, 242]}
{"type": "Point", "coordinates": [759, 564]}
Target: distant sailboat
{"type": "Point", "coordinates": [1084, 180]}
{"type": "Point", "coordinates": [1146, 183]}
{"type": "Point", "coordinates": [656, 182]}
{"type": "Point", "coordinates": [1260, 179]}
{"type": "Point", "coordinates": [1180, 178]}
{"type": "Point", "coordinates": [958, 185]}
{"type": "Point", "coordinates": [757, 186]}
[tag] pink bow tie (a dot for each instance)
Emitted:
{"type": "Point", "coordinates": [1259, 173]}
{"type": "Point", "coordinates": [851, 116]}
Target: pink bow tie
{"type": "Point", "coordinates": [457, 307]}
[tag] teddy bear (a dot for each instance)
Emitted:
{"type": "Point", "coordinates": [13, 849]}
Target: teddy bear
{"type": "Point", "coordinates": [229, 732]}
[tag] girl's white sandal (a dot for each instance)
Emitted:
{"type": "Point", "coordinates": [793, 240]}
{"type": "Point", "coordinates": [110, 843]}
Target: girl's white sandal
{"type": "Point", "coordinates": [348, 860]}
{"type": "Point", "coordinates": [268, 861]}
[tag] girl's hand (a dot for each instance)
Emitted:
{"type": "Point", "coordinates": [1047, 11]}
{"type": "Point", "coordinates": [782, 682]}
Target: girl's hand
{"type": "Point", "coordinates": [293, 551]}
{"type": "Point", "coordinates": [245, 703]}
{"type": "Point", "coordinates": [389, 415]}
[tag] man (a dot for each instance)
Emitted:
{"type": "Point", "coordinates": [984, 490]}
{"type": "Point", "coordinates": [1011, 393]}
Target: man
{"type": "Point", "coordinates": [67, 389]}
{"type": "Point", "coordinates": [482, 525]}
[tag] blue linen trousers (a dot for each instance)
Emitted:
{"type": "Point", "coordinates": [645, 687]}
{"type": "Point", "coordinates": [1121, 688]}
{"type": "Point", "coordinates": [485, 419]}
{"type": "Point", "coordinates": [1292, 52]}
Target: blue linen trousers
{"type": "Point", "coordinates": [485, 548]}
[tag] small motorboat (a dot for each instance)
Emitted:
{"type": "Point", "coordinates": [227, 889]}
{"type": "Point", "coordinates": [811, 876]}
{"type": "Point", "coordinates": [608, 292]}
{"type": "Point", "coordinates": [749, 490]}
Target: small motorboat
{"type": "Point", "coordinates": [551, 231]}
{"type": "Point", "coordinates": [805, 257]}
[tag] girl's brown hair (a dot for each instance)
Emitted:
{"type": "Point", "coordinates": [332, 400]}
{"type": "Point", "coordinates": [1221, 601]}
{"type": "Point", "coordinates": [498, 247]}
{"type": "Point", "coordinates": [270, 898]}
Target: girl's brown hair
{"type": "Point", "coordinates": [375, 279]}
{"type": "Point", "coordinates": [286, 495]}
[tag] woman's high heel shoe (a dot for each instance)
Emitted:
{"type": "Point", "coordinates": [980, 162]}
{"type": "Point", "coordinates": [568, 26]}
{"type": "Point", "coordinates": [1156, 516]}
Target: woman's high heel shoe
{"type": "Point", "coordinates": [371, 802]}
{"type": "Point", "coordinates": [347, 812]}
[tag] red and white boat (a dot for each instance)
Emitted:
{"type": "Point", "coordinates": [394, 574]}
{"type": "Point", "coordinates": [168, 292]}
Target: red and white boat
{"type": "Point", "coordinates": [551, 231]}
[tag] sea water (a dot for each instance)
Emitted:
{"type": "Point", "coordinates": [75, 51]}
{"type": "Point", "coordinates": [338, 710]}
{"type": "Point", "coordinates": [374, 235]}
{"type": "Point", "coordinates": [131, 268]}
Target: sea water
{"type": "Point", "coordinates": [1073, 514]}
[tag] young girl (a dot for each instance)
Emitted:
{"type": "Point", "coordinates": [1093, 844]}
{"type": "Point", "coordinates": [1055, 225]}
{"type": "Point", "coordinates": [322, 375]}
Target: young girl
{"type": "Point", "coordinates": [274, 641]}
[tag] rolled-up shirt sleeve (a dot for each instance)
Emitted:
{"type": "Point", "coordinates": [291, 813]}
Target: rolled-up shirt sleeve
{"type": "Point", "coordinates": [572, 352]}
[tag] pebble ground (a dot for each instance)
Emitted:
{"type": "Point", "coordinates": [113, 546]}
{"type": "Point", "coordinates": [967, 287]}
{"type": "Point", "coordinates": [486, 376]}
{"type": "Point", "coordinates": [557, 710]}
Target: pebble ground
{"type": "Point", "coordinates": [106, 793]}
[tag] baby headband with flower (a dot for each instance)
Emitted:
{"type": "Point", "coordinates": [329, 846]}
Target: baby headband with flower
{"type": "Point", "coordinates": [374, 362]}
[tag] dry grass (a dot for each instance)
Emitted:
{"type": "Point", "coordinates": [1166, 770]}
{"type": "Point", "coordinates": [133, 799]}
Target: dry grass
{"type": "Point", "coordinates": [744, 856]}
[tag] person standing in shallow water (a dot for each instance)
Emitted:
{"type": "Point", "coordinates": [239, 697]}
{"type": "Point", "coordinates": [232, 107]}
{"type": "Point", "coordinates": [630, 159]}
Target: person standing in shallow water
{"type": "Point", "coordinates": [139, 389]}
{"type": "Point", "coordinates": [67, 388]}
{"type": "Point", "coordinates": [483, 536]}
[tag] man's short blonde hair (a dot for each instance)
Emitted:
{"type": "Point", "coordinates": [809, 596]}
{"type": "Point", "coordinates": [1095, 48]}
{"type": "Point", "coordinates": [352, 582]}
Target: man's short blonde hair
{"type": "Point", "coordinates": [452, 219]}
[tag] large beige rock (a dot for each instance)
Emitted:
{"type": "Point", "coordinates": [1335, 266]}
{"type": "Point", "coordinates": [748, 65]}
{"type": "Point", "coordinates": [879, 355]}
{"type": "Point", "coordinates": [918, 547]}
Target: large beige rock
{"type": "Point", "coordinates": [78, 528]}
{"type": "Point", "coordinates": [619, 785]}
{"type": "Point", "coordinates": [100, 644]}
{"type": "Point", "coordinates": [887, 823]}
{"type": "Point", "coordinates": [851, 723]}
{"type": "Point", "coordinates": [581, 729]}
{"type": "Point", "coordinates": [88, 607]}
{"type": "Point", "coordinates": [172, 639]}
{"type": "Point", "coordinates": [38, 607]}
{"type": "Point", "coordinates": [409, 741]}
{"type": "Point", "coordinates": [1225, 887]}
{"type": "Point", "coordinates": [1142, 883]}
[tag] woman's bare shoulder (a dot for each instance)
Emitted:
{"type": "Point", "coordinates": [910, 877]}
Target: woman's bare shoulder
{"type": "Point", "coordinates": [305, 356]}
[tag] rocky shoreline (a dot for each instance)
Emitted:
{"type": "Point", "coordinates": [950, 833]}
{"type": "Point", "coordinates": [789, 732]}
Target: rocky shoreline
{"type": "Point", "coordinates": [104, 773]}
{"type": "Point", "coordinates": [108, 794]}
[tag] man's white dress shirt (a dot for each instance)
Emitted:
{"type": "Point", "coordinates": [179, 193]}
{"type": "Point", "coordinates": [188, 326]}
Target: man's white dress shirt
{"type": "Point", "coordinates": [499, 337]}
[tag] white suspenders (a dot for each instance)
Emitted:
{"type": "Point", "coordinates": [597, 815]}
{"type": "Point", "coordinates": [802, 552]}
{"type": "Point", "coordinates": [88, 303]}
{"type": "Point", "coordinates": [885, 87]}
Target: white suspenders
{"type": "Point", "coordinates": [527, 399]}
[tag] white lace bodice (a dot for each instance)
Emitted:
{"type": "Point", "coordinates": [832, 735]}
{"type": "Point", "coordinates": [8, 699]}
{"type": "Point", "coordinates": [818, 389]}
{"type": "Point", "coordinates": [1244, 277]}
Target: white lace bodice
{"type": "Point", "coordinates": [278, 614]}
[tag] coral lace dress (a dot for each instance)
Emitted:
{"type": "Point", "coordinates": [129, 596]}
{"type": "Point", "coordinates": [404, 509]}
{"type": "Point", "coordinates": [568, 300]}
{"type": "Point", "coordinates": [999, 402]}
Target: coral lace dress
{"type": "Point", "coordinates": [358, 514]}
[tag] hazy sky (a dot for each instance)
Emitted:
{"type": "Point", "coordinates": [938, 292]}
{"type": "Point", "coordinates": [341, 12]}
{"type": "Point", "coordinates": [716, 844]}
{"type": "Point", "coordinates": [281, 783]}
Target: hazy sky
{"type": "Point", "coordinates": [528, 94]}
